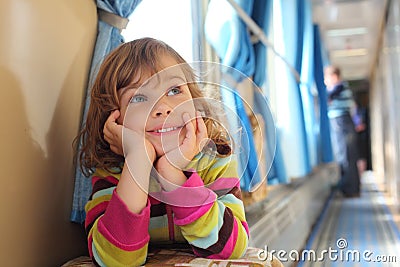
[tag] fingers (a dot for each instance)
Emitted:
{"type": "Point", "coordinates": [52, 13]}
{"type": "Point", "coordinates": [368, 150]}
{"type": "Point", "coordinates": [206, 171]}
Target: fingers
{"type": "Point", "coordinates": [201, 126]}
{"type": "Point", "coordinates": [111, 129]}
{"type": "Point", "coordinates": [201, 134]}
{"type": "Point", "coordinates": [113, 133]}
{"type": "Point", "coordinates": [115, 114]}
{"type": "Point", "coordinates": [190, 129]}
{"type": "Point", "coordinates": [116, 150]}
{"type": "Point", "coordinates": [196, 131]}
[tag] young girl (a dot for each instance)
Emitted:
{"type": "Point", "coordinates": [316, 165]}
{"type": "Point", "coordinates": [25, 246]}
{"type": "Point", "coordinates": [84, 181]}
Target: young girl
{"type": "Point", "coordinates": [138, 126]}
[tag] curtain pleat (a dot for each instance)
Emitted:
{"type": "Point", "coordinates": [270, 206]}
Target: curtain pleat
{"type": "Point", "coordinates": [229, 37]}
{"type": "Point", "coordinates": [262, 14]}
{"type": "Point", "coordinates": [108, 38]}
{"type": "Point", "coordinates": [325, 145]}
{"type": "Point", "coordinates": [291, 125]}
{"type": "Point", "coordinates": [307, 85]}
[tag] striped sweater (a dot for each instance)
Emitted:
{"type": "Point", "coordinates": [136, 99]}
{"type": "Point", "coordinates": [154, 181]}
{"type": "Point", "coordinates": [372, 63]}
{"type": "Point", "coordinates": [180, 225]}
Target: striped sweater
{"type": "Point", "coordinates": [340, 101]}
{"type": "Point", "coordinates": [211, 219]}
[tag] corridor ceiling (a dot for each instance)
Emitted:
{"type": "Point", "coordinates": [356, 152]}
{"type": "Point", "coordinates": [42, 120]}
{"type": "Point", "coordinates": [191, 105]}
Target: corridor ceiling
{"type": "Point", "coordinates": [351, 30]}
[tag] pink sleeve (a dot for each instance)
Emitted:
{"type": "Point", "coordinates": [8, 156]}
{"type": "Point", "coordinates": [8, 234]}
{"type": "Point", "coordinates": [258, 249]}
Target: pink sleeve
{"type": "Point", "coordinates": [188, 209]}
{"type": "Point", "coordinates": [118, 221]}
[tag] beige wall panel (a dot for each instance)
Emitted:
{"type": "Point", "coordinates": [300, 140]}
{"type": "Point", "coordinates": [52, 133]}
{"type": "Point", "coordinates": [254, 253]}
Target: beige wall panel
{"type": "Point", "coordinates": [45, 53]}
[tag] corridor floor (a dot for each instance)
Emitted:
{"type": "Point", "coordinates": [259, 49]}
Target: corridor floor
{"type": "Point", "coordinates": [354, 232]}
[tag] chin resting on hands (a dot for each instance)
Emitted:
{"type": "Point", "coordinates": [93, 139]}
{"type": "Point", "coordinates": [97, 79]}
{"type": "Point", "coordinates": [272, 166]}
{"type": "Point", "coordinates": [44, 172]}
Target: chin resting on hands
{"type": "Point", "coordinates": [171, 164]}
{"type": "Point", "coordinates": [124, 141]}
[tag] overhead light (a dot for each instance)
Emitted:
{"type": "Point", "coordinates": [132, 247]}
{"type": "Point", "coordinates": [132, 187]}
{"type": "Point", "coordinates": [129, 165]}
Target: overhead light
{"type": "Point", "coordinates": [346, 32]}
{"type": "Point", "coordinates": [349, 52]}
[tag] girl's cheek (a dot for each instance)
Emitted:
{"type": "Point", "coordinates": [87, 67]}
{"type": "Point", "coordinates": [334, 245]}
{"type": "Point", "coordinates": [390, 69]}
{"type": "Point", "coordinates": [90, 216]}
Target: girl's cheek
{"type": "Point", "coordinates": [189, 107]}
{"type": "Point", "coordinates": [133, 122]}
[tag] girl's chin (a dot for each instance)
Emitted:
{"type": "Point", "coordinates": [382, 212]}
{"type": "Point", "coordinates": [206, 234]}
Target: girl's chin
{"type": "Point", "coordinates": [163, 151]}
{"type": "Point", "coordinates": [160, 154]}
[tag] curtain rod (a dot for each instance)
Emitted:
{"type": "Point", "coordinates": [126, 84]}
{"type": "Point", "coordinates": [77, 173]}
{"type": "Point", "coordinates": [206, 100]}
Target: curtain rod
{"type": "Point", "coordinates": [261, 35]}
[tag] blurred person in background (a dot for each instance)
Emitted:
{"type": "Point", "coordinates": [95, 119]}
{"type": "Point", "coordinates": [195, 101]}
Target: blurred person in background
{"type": "Point", "coordinates": [344, 137]}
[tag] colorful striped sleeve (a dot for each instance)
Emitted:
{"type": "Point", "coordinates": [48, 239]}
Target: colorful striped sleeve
{"type": "Point", "coordinates": [109, 224]}
{"type": "Point", "coordinates": [216, 228]}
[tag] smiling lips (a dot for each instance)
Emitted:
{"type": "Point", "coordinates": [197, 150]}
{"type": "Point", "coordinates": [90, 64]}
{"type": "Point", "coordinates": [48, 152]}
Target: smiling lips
{"type": "Point", "coordinates": [165, 130]}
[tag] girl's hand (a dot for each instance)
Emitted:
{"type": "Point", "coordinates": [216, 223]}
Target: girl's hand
{"type": "Point", "coordinates": [133, 185]}
{"type": "Point", "coordinates": [195, 139]}
{"type": "Point", "coordinates": [135, 146]}
{"type": "Point", "coordinates": [173, 162]}
{"type": "Point", "coordinates": [113, 133]}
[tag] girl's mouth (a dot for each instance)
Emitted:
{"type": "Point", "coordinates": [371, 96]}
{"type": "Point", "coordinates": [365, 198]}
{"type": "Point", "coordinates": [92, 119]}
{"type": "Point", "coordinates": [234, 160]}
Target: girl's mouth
{"type": "Point", "coordinates": [165, 130]}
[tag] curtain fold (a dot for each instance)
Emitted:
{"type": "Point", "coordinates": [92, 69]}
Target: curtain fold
{"type": "Point", "coordinates": [231, 40]}
{"type": "Point", "coordinates": [290, 123]}
{"type": "Point", "coordinates": [262, 13]}
{"type": "Point", "coordinates": [304, 63]}
{"type": "Point", "coordinates": [300, 59]}
{"type": "Point", "coordinates": [307, 87]}
{"type": "Point", "coordinates": [325, 145]}
{"type": "Point", "coordinates": [108, 38]}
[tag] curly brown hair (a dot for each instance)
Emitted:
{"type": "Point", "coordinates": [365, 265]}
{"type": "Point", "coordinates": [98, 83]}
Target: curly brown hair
{"type": "Point", "coordinates": [121, 68]}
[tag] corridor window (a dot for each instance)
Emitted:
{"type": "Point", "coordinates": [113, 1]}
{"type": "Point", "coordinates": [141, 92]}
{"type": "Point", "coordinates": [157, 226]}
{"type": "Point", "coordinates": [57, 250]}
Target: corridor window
{"type": "Point", "coordinates": [169, 21]}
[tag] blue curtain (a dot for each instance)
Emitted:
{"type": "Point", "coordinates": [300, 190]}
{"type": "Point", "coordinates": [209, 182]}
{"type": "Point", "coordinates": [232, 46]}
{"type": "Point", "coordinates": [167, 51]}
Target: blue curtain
{"type": "Point", "coordinates": [262, 11]}
{"type": "Point", "coordinates": [108, 38]}
{"type": "Point", "coordinates": [230, 38]}
{"type": "Point", "coordinates": [305, 65]}
{"type": "Point", "coordinates": [324, 145]}
{"type": "Point", "coordinates": [261, 15]}
{"type": "Point", "coordinates": [303, 8]}
{"type": "Point", "coordinates": [291, 125]}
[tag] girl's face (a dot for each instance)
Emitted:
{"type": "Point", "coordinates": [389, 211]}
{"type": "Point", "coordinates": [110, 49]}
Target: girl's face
{"type": "Point", "coordinates": [156, 108]}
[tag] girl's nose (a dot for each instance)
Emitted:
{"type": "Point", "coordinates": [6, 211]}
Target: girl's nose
{"type": "Point", "coordinates": [160, 113]}
{"type": "Point", "coordinates": [162, 109]}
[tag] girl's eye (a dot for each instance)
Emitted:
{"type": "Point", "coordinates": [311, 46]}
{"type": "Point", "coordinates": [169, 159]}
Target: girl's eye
{"type": "Point", "coordinates": [174, 91]}
{"type": "Point", "coordinates": [137, 99]}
